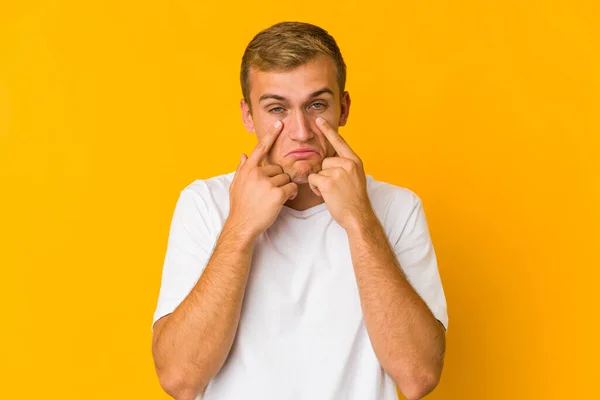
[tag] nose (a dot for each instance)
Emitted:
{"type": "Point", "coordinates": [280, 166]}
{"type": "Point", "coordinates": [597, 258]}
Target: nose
{"type": "Point", "coordinates": [299, 127]}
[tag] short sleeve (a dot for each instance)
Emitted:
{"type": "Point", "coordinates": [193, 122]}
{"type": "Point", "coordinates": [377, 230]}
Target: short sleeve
{"type": "Point", "coordinates": [189, 248]}
{"type": "Point", "coordinates": [417, 258]}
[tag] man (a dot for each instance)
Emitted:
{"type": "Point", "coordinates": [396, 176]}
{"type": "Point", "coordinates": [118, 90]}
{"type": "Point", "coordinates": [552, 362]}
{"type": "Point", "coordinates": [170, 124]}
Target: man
{"type": "Point", "coordinates": [302, 278]}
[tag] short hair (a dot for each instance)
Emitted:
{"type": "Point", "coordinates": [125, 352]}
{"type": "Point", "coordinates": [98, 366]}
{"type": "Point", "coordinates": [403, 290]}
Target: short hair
{"type": "Point", "coordinates": [287, 45]}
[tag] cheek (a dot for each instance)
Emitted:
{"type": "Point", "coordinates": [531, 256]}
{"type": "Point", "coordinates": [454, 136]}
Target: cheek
{"type": "Point", "coordinates": [330, 150]}
{"type": "Point", "coordinates": [326, 146]}
{"type": "Point", "coordinates": [263, 121]}
{"type": "Point", "coordinates": [277, 148]}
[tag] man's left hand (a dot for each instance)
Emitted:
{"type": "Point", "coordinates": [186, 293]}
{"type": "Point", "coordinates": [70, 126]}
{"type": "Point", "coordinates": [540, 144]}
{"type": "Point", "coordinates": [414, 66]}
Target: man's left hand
{"type": "Point", "coordinates": [341, 181]}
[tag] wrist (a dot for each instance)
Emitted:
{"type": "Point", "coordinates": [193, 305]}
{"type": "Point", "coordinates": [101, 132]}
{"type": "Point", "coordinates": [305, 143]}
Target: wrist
{"type": "Point", "coordinates": [361, 222]}
{"type": "Point", "coordinates": [238, 234]}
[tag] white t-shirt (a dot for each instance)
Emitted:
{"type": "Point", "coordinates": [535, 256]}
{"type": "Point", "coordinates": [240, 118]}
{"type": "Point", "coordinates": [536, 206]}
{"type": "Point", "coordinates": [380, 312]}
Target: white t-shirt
{"type": "Point", "coordinates": [301, 334]}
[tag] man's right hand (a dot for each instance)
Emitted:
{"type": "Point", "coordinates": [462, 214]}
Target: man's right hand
{"type": "Point", "coordinates": [257, 192]}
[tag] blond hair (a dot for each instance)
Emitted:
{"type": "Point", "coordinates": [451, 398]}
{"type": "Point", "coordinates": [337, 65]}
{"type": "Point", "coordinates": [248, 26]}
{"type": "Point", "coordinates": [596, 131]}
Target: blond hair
{"type": "Point", "coordinates": [287, 45]}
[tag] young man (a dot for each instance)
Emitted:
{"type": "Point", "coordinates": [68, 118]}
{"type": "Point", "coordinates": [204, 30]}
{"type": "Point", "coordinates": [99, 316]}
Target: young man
{"type": "Point", "coordinates": [302, 278]}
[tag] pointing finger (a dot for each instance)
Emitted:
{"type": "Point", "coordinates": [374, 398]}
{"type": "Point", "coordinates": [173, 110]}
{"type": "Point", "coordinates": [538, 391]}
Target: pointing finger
{"type": "Point", "coordinates": [263, 147]}
{"type": "Point", "coordinates": [337, 141]}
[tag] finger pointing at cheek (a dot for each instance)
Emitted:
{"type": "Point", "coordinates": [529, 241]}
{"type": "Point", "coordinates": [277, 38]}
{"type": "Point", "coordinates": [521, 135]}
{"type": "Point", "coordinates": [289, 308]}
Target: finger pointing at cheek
{"type": "Point", "coordinates": [339, 144]}
{"type": "Point", "coordinates": [262, 148]}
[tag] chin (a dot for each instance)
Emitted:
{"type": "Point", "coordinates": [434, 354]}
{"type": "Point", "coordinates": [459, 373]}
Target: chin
{"type": "Point", "coordinates": [299, 173]}
{"type": "Point", "coordinates": [300, 179]}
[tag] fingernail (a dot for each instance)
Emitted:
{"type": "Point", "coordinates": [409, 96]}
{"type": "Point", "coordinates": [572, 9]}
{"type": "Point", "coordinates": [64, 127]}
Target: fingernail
{"type": "Point", "coordinates": [277, 124]}
{"type": "Point", "coordinates": [320, 120]}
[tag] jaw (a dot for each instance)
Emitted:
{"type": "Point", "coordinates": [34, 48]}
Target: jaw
{"type": "Point", "coordinates": [300, 170]}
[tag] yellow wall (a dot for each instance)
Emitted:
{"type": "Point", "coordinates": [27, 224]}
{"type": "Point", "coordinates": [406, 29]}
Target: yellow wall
{"type": "Point", "coordinates": [488, 110]}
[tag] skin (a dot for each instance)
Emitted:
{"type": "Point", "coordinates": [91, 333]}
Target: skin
{"type": "Point", "coordinates": [190, 345]}
{"type": "Point", "coordinates": [407, 339]}
{"type": "Point", "coordinates": [290, 110]}
{"type": "Point", "coordinates": [297, 108]}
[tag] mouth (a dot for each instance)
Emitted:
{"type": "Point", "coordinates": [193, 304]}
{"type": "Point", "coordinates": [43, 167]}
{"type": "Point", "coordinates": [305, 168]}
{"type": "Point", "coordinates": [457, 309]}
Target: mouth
{"type": "Point", "coordinates": [302, 153]}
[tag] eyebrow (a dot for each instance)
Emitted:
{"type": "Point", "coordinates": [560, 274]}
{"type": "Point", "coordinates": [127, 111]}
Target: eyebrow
{"type": "Point", "coordinates": [319, 92]}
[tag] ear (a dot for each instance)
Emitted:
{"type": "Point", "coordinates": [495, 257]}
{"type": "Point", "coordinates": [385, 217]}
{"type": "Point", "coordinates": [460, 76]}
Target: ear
{"type": "Point", "coordinates": [247, 116]}
{"type": "Point", "coordinates": [345, 109]}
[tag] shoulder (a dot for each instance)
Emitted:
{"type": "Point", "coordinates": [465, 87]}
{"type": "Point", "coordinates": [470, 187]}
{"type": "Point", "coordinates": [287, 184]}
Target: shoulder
{"type": "Point", "coordinates": [214, 186]}
{"type": "Point", "coordinates": [395, 206]}
{"type": "Point", "coordinates": [386, 197]}
{"type": "Point", "coordinates": [209, 198]}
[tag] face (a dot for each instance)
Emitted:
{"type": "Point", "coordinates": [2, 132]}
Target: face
{"type": "Point", "coordinates": [297, 98]}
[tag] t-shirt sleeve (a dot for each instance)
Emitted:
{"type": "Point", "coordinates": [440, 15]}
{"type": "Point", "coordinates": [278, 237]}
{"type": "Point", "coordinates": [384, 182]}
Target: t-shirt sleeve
{"type": "Point", "coordinates": [417, 258]}
{"type": "Point", "coordinates": [189, 248]}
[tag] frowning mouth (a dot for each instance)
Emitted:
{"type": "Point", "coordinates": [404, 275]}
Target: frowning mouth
{"type": "Point", "coordinates": [304, 152]}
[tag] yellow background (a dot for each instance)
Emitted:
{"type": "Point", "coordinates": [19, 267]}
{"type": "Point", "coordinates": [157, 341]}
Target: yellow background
{"type": "Point", "coordinates": [488, 110]}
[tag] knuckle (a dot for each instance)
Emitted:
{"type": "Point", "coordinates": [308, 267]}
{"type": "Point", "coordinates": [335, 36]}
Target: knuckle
{"type": "Point", "coordinates": [280, 195]}
{"type": "Point", "coordinates": [254, 173]}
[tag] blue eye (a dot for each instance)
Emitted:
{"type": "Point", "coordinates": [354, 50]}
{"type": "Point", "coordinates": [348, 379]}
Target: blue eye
{"type": "Point", "coordinates": [276, 110]}
{"type": "Point", "coordinates": [321, 106]}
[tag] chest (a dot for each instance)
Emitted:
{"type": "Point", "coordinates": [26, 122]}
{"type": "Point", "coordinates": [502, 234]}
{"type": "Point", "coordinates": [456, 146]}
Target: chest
{"type": "Point", "coordinates": [301, 282]}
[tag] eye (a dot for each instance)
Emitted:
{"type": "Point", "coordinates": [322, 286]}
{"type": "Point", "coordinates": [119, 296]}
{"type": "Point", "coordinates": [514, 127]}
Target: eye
{"type": "Point", "coordinates": [276, 110]}
{"type": "Point", "coordinates": [318, 106]}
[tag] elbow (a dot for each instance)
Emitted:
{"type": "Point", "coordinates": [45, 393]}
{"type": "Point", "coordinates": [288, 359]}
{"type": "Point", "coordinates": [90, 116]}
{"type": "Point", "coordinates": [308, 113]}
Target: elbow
{"type": "Point", "coordinates": [176, 386]}
{"type": "Point", "coordinates": [418, 384]}
{"type": "Point", "coordinates": [174, 377]}
{"type": "Point", "coordinates": [419, 388]}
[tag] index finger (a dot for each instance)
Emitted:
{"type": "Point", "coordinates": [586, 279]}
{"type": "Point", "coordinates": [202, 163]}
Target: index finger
{"type": "Point", "coordinates": [263, 147]}
{"type": "Point", "coordinates": [338, 142]}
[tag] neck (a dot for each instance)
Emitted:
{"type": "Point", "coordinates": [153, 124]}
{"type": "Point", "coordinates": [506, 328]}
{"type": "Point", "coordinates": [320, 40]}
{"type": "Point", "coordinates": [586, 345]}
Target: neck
{"type": "Point", "coordinates": [305, 199]}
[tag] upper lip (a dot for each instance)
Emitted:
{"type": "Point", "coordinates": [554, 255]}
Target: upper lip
{"type": "Point", "coordinates": [301, 150]}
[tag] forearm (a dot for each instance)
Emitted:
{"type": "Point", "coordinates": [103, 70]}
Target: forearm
{"type": "Point", "coordinates": [196, 338]}
{"type": "Point", "coordinates": [407, 339]}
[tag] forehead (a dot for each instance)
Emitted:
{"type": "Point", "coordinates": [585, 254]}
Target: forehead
{"type": "Point", "coordinates": [296, 83]}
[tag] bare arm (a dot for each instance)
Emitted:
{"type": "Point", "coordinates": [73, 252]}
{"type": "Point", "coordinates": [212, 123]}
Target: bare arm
{"type": "Point", "coordinates": [191, 344]}
{"type": "Point", "coordinates": [408, 341]}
